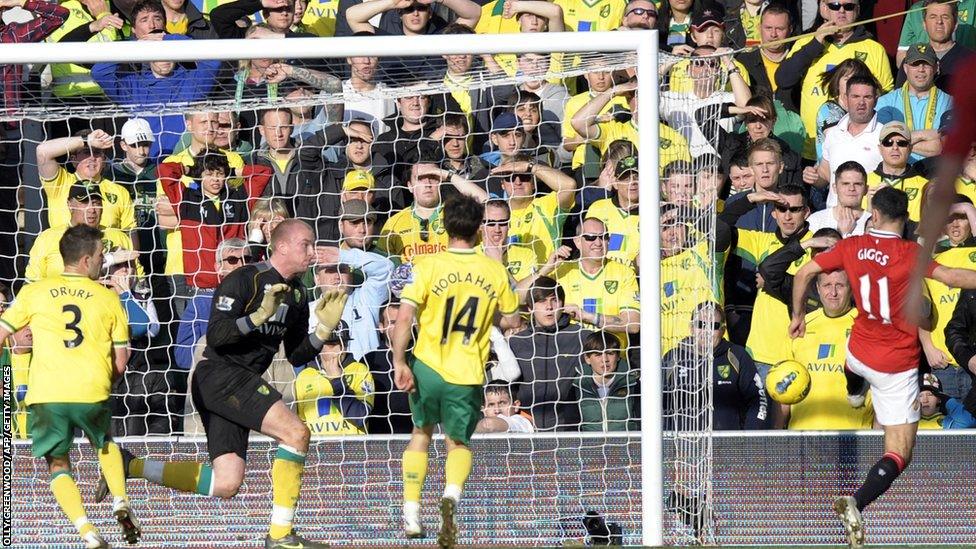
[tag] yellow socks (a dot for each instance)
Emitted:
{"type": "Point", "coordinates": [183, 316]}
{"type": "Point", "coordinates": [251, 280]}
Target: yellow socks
{"type": "Point", "coordinates": [69, 499]}
{"type": "Point", "coordinates": [185, 476]}
{"type": "Point", "coordinates": [110, 462]}
{"type": "Point", "coordinates": [457, 469]}
{"type": "Point", "coordinates": [414, 473]}
{"type": "Point", "coordinates": [286, 483]}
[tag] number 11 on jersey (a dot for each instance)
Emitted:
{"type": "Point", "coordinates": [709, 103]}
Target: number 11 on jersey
{"type": "Point", "coordinates": [884, 304]}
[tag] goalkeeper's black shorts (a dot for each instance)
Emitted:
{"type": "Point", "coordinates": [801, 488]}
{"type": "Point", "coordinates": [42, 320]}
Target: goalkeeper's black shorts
{"type": "Point", "coordinates": [232, 402]}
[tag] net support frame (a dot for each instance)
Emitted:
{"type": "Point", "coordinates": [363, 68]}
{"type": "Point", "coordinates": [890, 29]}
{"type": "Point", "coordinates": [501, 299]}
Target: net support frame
{"type": "Point", "coordinates": [644, 43]}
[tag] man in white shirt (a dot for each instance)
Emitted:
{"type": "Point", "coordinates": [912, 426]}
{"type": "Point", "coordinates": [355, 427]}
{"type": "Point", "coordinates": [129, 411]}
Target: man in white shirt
{"type": "Point", "coordinates": [850, 187]}
{"type": "Point", "coordinates": [855, 137]}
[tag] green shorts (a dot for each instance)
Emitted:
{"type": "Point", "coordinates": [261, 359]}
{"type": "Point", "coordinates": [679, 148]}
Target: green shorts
{"type": "Point", "coordinates": [52, 426]}
{"type": "Point", "coordinates": [456, 407]}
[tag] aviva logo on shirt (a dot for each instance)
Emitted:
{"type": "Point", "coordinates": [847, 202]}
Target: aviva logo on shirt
{"type": "Point", "coordinates": [826, 350]}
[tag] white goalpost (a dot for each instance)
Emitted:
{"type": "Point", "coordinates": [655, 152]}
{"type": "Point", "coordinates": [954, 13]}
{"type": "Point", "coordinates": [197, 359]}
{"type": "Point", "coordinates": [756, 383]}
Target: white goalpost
{"type": "Point", "coordinates": [622, 475]}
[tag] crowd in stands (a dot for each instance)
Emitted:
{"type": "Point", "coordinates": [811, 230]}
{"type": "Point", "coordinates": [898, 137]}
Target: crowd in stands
{"type": "Point", "coordinates": [766, 156]}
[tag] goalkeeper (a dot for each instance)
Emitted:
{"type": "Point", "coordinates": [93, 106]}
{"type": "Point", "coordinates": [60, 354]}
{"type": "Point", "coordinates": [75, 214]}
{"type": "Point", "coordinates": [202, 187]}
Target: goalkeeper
{"type": "Point", "coordinates": [455, 295]}
{"type": "Point", "coordinates": [255, 309]}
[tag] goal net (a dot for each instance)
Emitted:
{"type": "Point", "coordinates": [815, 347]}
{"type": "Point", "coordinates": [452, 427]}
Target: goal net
{"type": "Point", "coordinates": [336, 123]}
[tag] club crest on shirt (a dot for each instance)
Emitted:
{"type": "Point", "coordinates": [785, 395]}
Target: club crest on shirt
{"type": "Point", "coordinates": [611, 286]}
{"type": "Point", "coordinates": [861, 56]}
{"type": "Point", "coordinates": [263, 389]}
{"type": "Point", "coordinates": [224, 303]}
{"type": "Point", "coordinates": [912, 193]}
{"type": "Point", "coordinates": [724, 370]}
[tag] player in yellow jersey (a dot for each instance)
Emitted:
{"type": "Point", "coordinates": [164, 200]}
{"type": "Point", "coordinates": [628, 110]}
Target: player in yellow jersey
{"type": "Point", "coordinates": [85, 204]}
{"type": "Point", "coordinates": [454, 298]}
{"type": "Point", "coordinates": [823, 350]}
{"type": "Point", "coordinates": [419, 230]}
{"type": "Point", "coordinates": [537, 219]}
{"type": "Point", "coordinates": [620, 214]}
{"type": "Point", "coordinates": [601, 294]}
{"type": "Point", "coordinates": [81, 337]}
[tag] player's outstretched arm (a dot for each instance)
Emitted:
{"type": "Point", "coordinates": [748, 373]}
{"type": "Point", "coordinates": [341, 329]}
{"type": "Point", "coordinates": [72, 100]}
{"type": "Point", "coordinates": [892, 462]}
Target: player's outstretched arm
{"type": "Point", "coordinates": [801, 281]}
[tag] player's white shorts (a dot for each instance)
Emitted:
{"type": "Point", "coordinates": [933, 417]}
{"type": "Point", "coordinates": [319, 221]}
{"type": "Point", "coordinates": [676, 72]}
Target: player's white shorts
{"type": "Point", "coordinates": [893, 395]}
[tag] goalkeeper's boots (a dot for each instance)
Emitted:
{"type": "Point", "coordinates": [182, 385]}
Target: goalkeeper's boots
{"type": "Point", "coordinates": [131, 529]}
{"type": "Point", "coordinates": [846, 508]}
{"type": "Point", "coordinates": [412, 528]}
{"type": "Point", "coordinates": [292, 541]}
{"type": "Point", "coordinates": [94, 540]}
{"type": "Point", "coordinates": [101, 490]}
{"type": "Point", "coordinates": [448, 534]}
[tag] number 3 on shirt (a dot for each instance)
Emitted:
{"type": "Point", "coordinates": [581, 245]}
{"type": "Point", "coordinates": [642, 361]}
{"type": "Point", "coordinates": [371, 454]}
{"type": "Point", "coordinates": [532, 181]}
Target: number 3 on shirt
{"type": "Point", "coordinates": [466, 314]}
{"type": "Point", "coordinates": [72, 326]}
{"type": "Point", "coordinates": [883, 301]}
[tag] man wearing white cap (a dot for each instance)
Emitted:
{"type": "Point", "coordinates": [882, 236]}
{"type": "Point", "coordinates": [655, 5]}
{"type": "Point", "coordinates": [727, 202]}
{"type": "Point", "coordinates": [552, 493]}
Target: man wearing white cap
{"type": "Point", "coordinates": [136, 172]}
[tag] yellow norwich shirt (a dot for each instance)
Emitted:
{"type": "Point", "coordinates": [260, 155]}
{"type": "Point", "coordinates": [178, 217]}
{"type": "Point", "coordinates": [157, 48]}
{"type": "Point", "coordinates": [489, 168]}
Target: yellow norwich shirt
{"type": "Point", "coordinates": [912, 183]}
{"type": "Point", "coordinates": [688, 279]}
{"type": "Point", "coordinates": [519, 260]}
{"type": "Point", "coordinates": [623, 228]}
{"type": "Point", "coordinates": [609, 291]}
{"type": "Point", "coordinates": [681, 82]}
{"type": "Point", "coordinates": [966, 187]}
{"type": "Point", "coordinates": [457, 294]}
{"type": "Point", "coordinates": [408, 236]}
{"type": "Point", "coordinates": [538, 225]}
{"type": "Point", "coordinates": [768, 341]}
{"type": "Point", "coordinates": [813, 96]}
{"type": "Point", "coordinates": [943, 297]}
{"type": "Point", "coordinates": [592, 15]}
{"type": "Point", "coordinates": [117, 209]}
{"type": "Point", "coordinates": [320, 17]}
{"type": "Point", "coordinates": [320, 408]}
{"type": "Point", "coordinates": [671, 144]}
{"type": "Point", "coordinates": [45, 255]}
{"type": "Point", "coordinates": [823, 350]}
{"type": "Point", "coordinates": [174, 240]}
{"type": "Point", "coordinates": [76, 323]}
{"type": "Point", "coordinates": [574, 104]}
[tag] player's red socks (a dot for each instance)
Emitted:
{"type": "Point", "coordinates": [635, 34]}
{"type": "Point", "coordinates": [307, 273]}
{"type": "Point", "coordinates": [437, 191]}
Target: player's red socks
{"type": "Point", "coordinates": [884, 472]}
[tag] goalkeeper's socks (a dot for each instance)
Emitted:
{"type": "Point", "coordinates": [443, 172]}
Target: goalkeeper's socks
{"type": "Point", "coordinates": [69, 499]}
{"type": "Point", "coordinates": [884, 472]}
{"type": "Point", "coordinates": [110, 462]}
{"type": "Point", "coordinates": [185, 476]}
{"type": "Point", "coordinates": [414, 474]}
{"type": "Point", "coordinates": [457, 469]}
{"type": "Point", "coordinates": [286, 484]}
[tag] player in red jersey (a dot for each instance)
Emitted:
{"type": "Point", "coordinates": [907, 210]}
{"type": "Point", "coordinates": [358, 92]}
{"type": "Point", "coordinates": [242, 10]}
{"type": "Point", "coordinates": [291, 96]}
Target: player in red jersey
{"type": "Point", "coordinates": [883, 350]}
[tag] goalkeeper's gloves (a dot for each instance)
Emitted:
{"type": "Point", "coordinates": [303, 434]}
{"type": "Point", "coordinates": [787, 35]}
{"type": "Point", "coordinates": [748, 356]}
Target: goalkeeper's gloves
{"type": "Point", "coordinates": [273, 297]}
{"type": "Point", "coordinates": [328, 311]}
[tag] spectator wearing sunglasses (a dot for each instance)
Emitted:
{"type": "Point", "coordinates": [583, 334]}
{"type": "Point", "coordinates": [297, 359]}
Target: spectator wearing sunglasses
{"type": "Point", "coordinates": [601, 294]}
{"type": "Point", "coordinates": [895, 169]}
{"type": "Point", "coordinates": [639, 15]}
{"type": "Point", "coordinates": [620, 213]}
{"type": "Point", "coordinates": [918, 103]}
{"type": "Point", "coordinates": [231, 255]}
{"type": "Point", "coordinates": [799, 74]}
{"type": "Point", "coordinates": [740, 400]}
{"type": "Point", "coordinates": [496, 244]}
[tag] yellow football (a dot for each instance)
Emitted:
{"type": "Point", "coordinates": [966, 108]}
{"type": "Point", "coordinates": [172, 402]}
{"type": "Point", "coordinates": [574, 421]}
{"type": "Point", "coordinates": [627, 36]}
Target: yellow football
{"type": "Point", "coordinates": [788, 382]}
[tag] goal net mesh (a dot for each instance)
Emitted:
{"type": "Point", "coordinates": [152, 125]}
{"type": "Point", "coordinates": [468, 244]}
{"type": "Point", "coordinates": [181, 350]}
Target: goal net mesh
{"type": "Point", "coordinates": [525, 489]}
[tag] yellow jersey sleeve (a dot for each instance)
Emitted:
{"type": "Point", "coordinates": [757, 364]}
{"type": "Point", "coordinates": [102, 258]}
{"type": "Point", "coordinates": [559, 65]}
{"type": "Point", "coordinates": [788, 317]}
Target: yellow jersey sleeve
{"type": "Point", "coordinates": [416, 291]}
{"type": "Point", "coordinates": [630, 291]}
{"type": "Point", "coordinates": [56, 190]}
{"type": "Point", "coordinates": [120, 322]}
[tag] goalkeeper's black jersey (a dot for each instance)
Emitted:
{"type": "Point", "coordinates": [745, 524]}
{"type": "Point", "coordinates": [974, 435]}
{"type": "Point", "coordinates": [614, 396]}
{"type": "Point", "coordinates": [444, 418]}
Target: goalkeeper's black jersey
{"type": "Point", "coordinates": [233, 341]}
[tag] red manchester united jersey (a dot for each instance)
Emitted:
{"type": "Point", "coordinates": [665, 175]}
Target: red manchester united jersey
{"type": "Point", "coordinates": [879, 265]}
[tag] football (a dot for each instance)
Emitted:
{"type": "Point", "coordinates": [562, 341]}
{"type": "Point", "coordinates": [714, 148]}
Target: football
{"type": "Point", "coordinates": [788, 382]}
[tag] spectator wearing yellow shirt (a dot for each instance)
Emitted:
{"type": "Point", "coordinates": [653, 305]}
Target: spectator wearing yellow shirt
{"type": "Point", "coordinates": [824, 352]}
{"type": "Point", "coordinates": [639, 15]}
{"type": "Point", "coordinates": [176, 17]}
{"type": "Point", "coordinates": [775, 24]}
{"type": "Point", "coordinates": [419, 230]}
{"type": "Point", "coordinates": [88, 21]}
{"type": "Point", "coordinates": [707, 31]}
{"type": "Point", "coordinates": [799, 74]}
{"type": "Point", "coordinates": [895, 145]}
{"type": "Point", "coordinates": [86, 152]}
{"type": "Point", "coordinates": [85, 208]}
{"type": "Point", "coordinates": [514, 16]}
{"type": "Point", "coordinates": [598, 81]}
{"type": "Point", "coordinates": [495, 242]}
{"type": "Point", "coordinates": [537, 221]}
{"type": "Point", "coordinates": [620, 214]}
{"type": "Point", "coordinates": [603, 129]}
{"type": "Point", "coordinates": [601, 294]}
{"type": "Point", "coordinates": [966, 182]}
